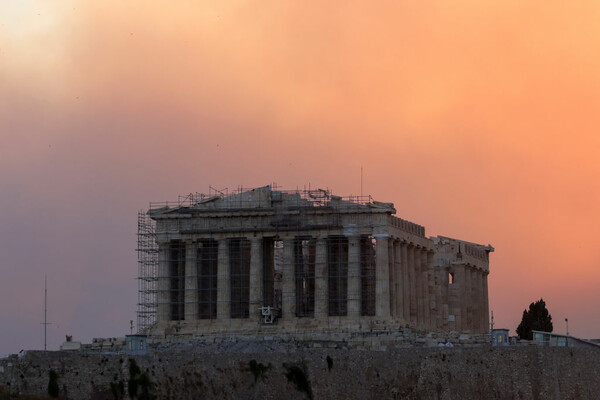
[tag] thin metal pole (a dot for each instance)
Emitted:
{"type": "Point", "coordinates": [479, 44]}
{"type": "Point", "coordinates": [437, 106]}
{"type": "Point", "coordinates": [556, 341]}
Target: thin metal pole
{"type": "Point", "coordinates": [45, 310]}
{"type": "Point", "coordinates": [45, 323]}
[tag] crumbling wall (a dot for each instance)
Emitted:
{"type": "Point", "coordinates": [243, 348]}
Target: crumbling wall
{"type": "Point", "coordinates": [192, 372]}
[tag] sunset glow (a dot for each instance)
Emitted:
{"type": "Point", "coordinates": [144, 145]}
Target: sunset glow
{"type": "Point", "coordinates": [479, 120]}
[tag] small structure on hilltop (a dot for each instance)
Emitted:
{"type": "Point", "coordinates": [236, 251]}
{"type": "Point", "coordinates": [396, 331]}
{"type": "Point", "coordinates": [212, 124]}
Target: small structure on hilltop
{"type": "Point", "coordinates": [556, 339]}
{"type": "Point", "coordinates": [69, 344]}
{"type": "Point", "coordinates": [500, 337]}
{"type": "Point", "coordinates": [301, 263]}
{"type": "Point", "coordinates": [136, 345]}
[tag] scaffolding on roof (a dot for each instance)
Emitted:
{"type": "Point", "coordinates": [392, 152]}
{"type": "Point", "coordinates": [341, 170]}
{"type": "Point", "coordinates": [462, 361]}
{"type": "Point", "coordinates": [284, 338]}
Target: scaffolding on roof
{"type": "Point", "coordinates": [314, 197]}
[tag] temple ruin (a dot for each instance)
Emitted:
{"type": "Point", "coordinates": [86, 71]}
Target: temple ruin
{"type": "Point", "coordinates": [301, 262]}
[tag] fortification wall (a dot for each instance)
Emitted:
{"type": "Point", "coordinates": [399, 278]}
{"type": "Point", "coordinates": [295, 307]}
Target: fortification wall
{"type": "Point", "coordinates": [187, 372]}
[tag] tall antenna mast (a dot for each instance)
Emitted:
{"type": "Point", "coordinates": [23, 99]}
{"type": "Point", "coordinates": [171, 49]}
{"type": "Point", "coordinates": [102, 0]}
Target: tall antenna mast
{"type": "Point", "coordinates": [45, 323]}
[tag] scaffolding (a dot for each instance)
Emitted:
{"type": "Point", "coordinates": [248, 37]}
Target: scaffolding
{"type": "Point", "coordinates": [147, 258]}
{"type": "Point", "coordinates": [169, 293]}
{"type": "Point", "coordinates": [304, 197]}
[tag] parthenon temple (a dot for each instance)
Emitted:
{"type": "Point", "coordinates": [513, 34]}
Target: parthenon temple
{"type": "Point", "coordinates": [301, 261]}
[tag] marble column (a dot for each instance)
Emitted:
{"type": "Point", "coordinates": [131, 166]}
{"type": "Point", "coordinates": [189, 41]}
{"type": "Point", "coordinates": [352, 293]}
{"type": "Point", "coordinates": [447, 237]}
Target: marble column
{"type": "Point", "coordinates": [431, 302]}
{"type": "Point", "coordinates": [440, 315]}
{"type": "Point", "coordinates": [392, 276]}
{"type": "Point", "coordinates": [477, 301]}
{"type": "Point", "coordinates": [482, 317]}
{"type": "Point", "coordinates": [288, 280]}
{"type": "Point", "coordinates": [191, 281]}
{"type": "Point", "coordinates": [484, 322]}
{"type": "Point", "coordinates": [413, 285]}
{"type": "Point", "coordinates": [405, 282]}
{"type": "Point", "coordinates": [399, 281]}
{"type": "Point", "coordinates": [468, 299]}
{"type": "Point", "coordinates": [382, 288]}
{"type": "Point", "coordinates": [321, 292]}
{"type": "Point", "coordinates": [459, 287]}
{"type": "Point", "coordinates": [256, 274]}
{"type": "Point", "coordinates": [162, 285]}
{"type": "Point", "coordinates": [223, 281]}
{"type": "Point", "coordinates": [425, 285]}
{"type": "Point", "coordinates": [419, 286]}
{"type": "Point", "coordinates": [354, 281]}
{"type": "Point", "coordinates": [486, 305]}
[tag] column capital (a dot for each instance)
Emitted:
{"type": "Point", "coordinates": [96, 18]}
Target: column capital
{"type": "Point", "coordinates": [351, 230]}
{"type": "Point", "coordinates": [353, 239]}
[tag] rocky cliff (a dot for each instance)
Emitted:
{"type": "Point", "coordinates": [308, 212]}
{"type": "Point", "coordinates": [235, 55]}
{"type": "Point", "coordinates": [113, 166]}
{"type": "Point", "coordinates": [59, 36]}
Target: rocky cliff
{"type": "Point", "coordinates": [528, 372]}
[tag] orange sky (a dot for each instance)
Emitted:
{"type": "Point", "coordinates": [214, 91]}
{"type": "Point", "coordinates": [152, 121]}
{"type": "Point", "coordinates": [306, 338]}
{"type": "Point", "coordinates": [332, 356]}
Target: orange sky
{"type": "Point", "coordinates": [479, 120]}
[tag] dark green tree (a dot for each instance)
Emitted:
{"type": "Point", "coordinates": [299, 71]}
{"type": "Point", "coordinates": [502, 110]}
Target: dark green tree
{"type": "Point", "coordinates": [132, 384]}
{"type": "Point", "coordinates": [139, 385]}
{"type": "Point", "coordinates": [53, 390]}
{"type": "Point", "coordinates": [537, 318]}
{"type": "Point", "coordinates": [146, 388]}
{"type": "Point", "coordinates": [118, 390]}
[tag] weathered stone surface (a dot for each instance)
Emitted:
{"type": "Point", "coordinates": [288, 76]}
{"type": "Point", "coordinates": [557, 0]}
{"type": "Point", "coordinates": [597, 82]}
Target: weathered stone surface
{"type": "Point", "coordinates": [225, 372]}
{"type": "Point", "coordinates": [320, 262]}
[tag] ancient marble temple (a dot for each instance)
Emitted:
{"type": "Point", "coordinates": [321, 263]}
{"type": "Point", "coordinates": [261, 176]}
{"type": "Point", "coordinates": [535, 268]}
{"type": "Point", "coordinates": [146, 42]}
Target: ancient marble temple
{"type": "Point", "coordinates": [306, 261]}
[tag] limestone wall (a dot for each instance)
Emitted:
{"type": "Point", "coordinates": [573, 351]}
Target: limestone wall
{"type": "Point", "coordinates": [331, 373]}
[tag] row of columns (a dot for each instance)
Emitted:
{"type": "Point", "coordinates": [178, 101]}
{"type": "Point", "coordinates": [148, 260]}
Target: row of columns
{"type": "Point", "coordinates": [288, 278]}
{"type": "Point", "coordinates": [416, 294]}
{"type": "Point", "coordinates": [408, 288]}
{"type": "Point", "coordinates": [469, 298]}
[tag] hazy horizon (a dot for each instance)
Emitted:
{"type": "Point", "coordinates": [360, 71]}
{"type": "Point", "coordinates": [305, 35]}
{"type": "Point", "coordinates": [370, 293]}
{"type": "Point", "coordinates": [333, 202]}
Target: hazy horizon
{"type": "Point", "coordinates": [478, 121]}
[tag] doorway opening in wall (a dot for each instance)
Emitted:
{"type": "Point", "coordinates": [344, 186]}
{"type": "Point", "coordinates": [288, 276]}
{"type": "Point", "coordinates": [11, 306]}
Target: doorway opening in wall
{"type": "Point", "coordinates": [450, 278]}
